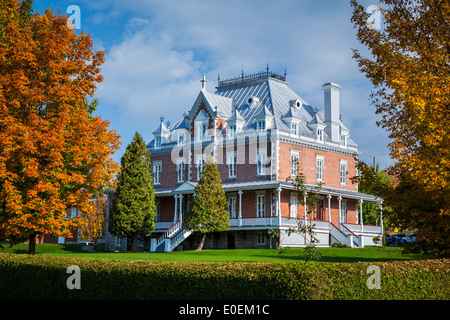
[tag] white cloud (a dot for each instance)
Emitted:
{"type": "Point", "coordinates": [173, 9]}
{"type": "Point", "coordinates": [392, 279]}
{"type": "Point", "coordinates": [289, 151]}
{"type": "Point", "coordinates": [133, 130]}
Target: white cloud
{"type": "Point", "coordinates": [167, 46]}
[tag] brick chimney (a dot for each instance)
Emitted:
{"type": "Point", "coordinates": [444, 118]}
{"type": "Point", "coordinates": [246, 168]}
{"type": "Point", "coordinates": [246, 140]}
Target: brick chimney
{"type": "Point", "coordinates": [331, 106]}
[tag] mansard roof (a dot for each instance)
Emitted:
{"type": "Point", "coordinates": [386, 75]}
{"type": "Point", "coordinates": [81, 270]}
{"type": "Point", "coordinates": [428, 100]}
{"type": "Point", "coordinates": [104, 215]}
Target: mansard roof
{"type": "Point", "coordinates": [270, 96]}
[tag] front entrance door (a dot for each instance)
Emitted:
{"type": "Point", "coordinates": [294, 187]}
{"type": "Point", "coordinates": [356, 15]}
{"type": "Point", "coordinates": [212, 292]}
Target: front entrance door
{"type": "Point", "coordinates": [231, 240]}
{"type": "Point", "coordinates": [320, 211]}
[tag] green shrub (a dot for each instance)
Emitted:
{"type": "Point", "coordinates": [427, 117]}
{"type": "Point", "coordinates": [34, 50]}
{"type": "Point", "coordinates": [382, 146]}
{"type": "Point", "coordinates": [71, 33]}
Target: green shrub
{"type": "Point", "coordinates": [41, 277]}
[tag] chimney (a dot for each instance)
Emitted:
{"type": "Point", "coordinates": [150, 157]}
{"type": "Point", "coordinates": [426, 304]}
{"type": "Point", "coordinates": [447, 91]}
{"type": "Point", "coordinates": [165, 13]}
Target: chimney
{"type": "Point", "coordinates": [331, 105]}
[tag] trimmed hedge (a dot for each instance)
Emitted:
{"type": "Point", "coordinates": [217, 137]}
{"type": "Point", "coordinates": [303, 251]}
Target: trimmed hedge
{"type": "Point", "coordinates": [42, 277]}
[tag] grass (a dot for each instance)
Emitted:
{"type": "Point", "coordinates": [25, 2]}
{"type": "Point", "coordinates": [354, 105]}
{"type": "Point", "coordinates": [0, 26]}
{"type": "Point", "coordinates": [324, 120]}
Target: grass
{"type": "Point", "coordinates": [236, 255]}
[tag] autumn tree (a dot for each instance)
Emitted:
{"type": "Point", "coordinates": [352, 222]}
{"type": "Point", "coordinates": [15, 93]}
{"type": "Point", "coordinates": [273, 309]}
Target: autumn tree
{"type": "Point", "coordinates": [207, 212]}
{"type": "Point", "coordinates": [92, 221]}
{"type": "Point", "coordinates": [54, 153]}
{"type": "Point", "coordinates": [133, 207]}
{"type": "Point", "coordinates": [410, 70]}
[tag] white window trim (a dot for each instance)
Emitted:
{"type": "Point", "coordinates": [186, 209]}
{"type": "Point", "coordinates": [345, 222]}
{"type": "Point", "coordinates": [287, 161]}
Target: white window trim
{"type": "Point", "coordinates": [294, 128]}
{"type": "Point", "coordinates": [344, 205]}
{"type": "Point", "coordinates": [158, 142]}
{"type": "Point", "coordinates": [294, 153]}
{"type": "Point", "coordinates": [260, 204]}
{"type": "Point", "coordinates": [232, 204]}
{"type": "Point", "coordinates": [261, 126]}
{"type": "Point", "coordinates": [157, 178]}
{"type": "Point", "coordinates": [343, 163]}
{"type": "Point", "coordinates": [232, 164]}
{"type": "Point", "coordinates": [261, 170]}
{"type": "Point", "coordinates": [345, 142]}
{"type": "Point", "coordinates": [320, 136]}
{"type": "Point", "coordinates": [293, 205]}
{"type": "Point", "coordinates": [318, 159]}
{"type": "Point", "coordinates": [181, 165]}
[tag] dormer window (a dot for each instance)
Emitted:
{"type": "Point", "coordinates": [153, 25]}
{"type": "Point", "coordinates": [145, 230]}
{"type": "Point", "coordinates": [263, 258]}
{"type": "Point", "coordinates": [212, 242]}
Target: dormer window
{"type": "Point", "coordinates": [231, 131]}
{"type": "Point", "coordinates": [260, 126]}
{"type": "Point", "coordinates": [320, 135]}
{"type": "Point", "coordinates": [344, 140]}
{"type": "Point", "coordinates": [157, 142]}
{"type": "Point", "coordinates": [294, 128]}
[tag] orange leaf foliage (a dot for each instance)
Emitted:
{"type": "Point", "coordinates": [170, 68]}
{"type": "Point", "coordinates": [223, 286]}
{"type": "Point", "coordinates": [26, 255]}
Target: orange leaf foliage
{"type": "Point", "coordinates": [53, 153]}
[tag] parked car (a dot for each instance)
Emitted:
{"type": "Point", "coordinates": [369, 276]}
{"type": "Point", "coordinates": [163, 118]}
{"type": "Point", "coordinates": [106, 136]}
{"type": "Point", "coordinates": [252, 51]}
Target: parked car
{"type": "Point", "coordinates": [397, 239]}
{"type": "Point", "coordinates": [410, 237]}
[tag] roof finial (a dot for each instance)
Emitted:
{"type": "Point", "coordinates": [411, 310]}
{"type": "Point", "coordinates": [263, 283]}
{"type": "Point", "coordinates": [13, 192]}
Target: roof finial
{"type": "Point", "coordinates": [161, 119]}
{"type": "Point", "coordinates": [203, 81]}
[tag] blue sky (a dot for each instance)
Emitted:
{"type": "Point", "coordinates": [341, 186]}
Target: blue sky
{"type": "Point", "coordinates": [157, 52]}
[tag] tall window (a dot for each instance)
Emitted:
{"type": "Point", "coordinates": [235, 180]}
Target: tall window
{"type": "Point", "coordinates": [180, 171]}
{"type": "Point", "coordinates": [343, 172]}
{"type": "Point", "coordinates": [232, 164]}
{"type": "Point", "coordinates": [157, 168]}
{"type": "Point", "coordinates": [260, 206]}
{"type": "Point", "coordinates": [294, 164]}
{"type": "Point", "coordinates": [319, 168]}
{"type": "Point", "coordinates": [232, 207]}
{"type": "Point", "coordinates": [200, 165]}
{"type": "Point", "coordinates": [294, 206]}
{"type": "Point", "coordinates": [343, 212]}
{"type": "Point", "coordinates": [261, 163]}
{"type": "Point", "coordinates": [158, 210]}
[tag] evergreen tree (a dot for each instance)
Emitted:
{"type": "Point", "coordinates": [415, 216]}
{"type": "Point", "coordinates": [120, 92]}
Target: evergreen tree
{"type": "Point", "coordinates": [133, 208]}
{"type": "Point", "coordinates": [208, 210]}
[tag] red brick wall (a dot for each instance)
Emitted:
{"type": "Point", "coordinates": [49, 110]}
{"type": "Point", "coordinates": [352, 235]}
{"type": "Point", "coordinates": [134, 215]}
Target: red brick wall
{"type": "Point", "coordinates": [307, 162]}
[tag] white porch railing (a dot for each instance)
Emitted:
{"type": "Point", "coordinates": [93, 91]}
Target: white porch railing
{"type": "Point", "coordinates": [254, 222]}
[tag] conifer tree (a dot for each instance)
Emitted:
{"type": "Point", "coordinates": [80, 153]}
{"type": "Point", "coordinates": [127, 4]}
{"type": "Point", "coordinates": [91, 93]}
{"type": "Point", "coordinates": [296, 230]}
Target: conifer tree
{"type": "Point", "coordinates": [133, 208]}
{"type": "Point", "coordinates": [208, 210]}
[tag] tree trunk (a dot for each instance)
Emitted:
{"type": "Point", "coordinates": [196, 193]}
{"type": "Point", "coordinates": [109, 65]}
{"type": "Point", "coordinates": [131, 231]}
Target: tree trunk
{"type": "Point", "coordinates": [202, 242]}
{"type": "Point", "coordinates": [32, 244]}
{"type": "Point", "coordinates": [134, 242]}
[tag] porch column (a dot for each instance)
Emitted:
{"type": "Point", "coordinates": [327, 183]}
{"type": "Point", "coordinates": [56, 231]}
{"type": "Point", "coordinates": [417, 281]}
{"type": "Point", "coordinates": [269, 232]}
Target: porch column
{"type": "Point", "coordinates": [329, 208]}
{"type": "Point", "coordinates": [240, 208]}
{"type": "Point", "coordinates": [176, 206]}
{"type": "Point", "coordinates": [361, 215]}
{"type": "Point", "coordinates": [340, 220]}
{"type": "Point", "coordinates": [180, 216]}
{"type": "Point", "coordinates": [381, 220]}
{"type": "Point", "coordinates": [361, 221]}
{"type": "Point", "coordinates": [279, 205]}
{"type": "Point", "coordinates": [304, 207]}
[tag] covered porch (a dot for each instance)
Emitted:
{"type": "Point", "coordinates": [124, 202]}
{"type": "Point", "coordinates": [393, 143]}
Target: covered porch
{"type": "Point", "coordinates": [248, 212]}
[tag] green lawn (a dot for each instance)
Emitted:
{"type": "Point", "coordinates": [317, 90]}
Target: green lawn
{"type": "Point", "coordinates": [247, 255]}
